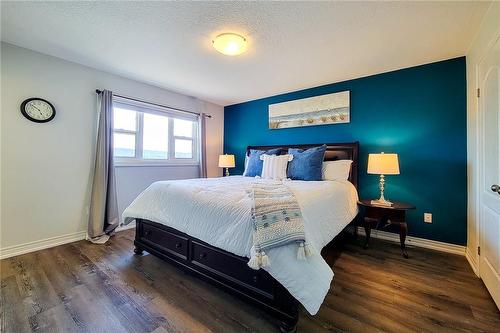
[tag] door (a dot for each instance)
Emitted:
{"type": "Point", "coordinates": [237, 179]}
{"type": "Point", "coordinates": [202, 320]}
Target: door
{"type": "Point", "coordinates": [489, 187]}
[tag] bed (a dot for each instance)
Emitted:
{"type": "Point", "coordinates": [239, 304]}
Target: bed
{"type": "Point", "coordinates": [202, 226]}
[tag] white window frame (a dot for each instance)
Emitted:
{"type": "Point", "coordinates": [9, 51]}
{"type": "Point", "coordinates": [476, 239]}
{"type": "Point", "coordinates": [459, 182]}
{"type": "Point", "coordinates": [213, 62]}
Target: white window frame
{"type": "Point", "coordinates": [171, 160]}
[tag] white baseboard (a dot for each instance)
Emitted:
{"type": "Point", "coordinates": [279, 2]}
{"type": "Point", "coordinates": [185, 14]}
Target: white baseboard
{"type": "Point", "coordinates": [472, 261]}
{"type": "Point", "coordinates": [416, 241]}
{"type": "Point", "coordinates": [12, 251]}
{"type": "Point", "coordinates": [16, 250]}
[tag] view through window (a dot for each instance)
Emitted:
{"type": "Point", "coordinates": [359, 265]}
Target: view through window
{"type": "Point", "coordinates": [149, 135]}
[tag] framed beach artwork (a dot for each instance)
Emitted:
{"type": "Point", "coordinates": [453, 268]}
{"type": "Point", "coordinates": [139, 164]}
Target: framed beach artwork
{"type": "Point", "coordinates": [318, 110]}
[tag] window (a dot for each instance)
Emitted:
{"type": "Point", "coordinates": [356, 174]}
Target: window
{"type": "Point", "coordinates": [146, 134]}
{"type": "Point", "coordinates": [125, 132]}
{"type": "Point", "coordinates": [183, 135]}
{"type": "Point", "coordinates": [155, 137]}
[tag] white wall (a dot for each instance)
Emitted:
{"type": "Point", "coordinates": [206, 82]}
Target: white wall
{"type": "Point", "coordinates": [45, 168]}
{"type": "Point", "coordinates": [489, 28]}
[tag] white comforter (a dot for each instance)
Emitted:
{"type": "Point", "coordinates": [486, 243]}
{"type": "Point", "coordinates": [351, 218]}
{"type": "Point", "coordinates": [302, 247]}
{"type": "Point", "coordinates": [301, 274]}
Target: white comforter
{"type": "Point", "coordinates": [217, 211]}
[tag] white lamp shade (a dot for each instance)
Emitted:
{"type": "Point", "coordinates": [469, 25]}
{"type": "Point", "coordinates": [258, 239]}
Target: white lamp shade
{"type": "Point", "coordinates": [226, 161]}
{"type": "Point", "coordinates": [383, 164]}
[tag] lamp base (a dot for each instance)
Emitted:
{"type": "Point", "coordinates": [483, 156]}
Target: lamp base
{"type": "Point", "coordinates": [383, 203]}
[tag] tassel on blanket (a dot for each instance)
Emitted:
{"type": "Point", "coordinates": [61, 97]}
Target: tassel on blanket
{"type": "Point", "coordinates": [301, 254]}
{"type": "Point", "coordinates": [264, 260]}
{"type": "Point", "coordinates": [258, 260]}
{"type": "Point", "coordinates": [254, 262]}
{"type": "Point", "coordinates": [308, 250]}
{"type": "Point", "coordinates": [305, 250]}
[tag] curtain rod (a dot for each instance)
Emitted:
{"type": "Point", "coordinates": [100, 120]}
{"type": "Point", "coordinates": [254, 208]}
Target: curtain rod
{"type": "Point", "coordinates": [152, 103]}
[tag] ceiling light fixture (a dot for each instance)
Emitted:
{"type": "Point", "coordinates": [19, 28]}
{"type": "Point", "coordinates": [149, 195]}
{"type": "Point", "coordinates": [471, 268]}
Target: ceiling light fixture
{"type": "Point", "coordinates": [230, 44]}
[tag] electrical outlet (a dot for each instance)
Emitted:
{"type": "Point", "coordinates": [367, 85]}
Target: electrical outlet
{"type": "Point", "coordinates": [427, 217]}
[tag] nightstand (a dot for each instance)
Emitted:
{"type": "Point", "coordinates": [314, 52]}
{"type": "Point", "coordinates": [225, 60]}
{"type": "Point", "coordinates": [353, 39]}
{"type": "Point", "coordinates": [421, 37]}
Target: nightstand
{"type": "Point", "coordinates": [373, 215]}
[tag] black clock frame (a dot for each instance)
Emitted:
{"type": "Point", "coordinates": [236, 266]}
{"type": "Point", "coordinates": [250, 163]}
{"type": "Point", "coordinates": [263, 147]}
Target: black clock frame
{"type": "Point", "coordinates": [27, 116]}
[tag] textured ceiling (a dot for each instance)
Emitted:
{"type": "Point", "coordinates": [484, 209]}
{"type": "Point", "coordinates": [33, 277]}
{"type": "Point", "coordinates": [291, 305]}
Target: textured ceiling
{"type": "Point", "coordinates": [292, 45]}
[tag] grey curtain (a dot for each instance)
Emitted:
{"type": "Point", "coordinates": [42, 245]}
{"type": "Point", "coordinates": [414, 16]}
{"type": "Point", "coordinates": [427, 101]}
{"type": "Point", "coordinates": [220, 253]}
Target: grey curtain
{"type": "Point", "coordinates": [103, 217]}
{"type": "Point", "coordinates": [203, 145]}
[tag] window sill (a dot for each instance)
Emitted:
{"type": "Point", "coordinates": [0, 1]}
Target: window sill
{"type": "Point", "coordinates": [123, 164]}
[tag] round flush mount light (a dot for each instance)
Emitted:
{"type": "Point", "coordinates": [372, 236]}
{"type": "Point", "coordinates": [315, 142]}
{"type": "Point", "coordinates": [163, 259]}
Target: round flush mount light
{"type": "Point", "coordinates": [230, 44]}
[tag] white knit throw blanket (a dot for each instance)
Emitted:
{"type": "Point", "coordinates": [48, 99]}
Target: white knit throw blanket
{"type": "Point", "coordinates": [277, 221]}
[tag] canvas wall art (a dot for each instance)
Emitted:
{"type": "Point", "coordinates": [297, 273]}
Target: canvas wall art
{"type": "Point", "coordinates": [318, 110]}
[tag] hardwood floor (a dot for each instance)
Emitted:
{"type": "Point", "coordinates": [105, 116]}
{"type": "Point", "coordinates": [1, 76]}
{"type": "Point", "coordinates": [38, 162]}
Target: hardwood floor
{"type": "Point", "coordinates": [81, 287]}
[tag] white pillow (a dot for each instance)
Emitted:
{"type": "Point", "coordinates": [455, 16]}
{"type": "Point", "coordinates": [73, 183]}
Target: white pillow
{"type": "Point", "coordinates": [336, 170]}
{"type": "Point", "coordinates": [275, 166]}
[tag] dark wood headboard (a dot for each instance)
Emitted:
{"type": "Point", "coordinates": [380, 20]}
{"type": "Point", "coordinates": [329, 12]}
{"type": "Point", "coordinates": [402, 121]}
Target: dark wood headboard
{"type": "Point", "coordinates": [334, 151]}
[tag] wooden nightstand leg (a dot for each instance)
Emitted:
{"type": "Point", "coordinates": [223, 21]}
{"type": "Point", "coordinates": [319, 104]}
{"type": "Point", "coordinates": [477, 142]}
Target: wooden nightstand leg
{"type": "Point", "coordinates": [367, 225]}
{"type": "Point", "coordinates": [403, 231]}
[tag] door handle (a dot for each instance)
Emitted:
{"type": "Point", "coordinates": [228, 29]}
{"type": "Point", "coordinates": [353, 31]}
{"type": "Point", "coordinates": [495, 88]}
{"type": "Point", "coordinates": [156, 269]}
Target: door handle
{"type": "Point", "coordinates": [495, 188]}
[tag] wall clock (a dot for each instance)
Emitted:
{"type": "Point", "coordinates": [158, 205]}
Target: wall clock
{"type": "Point", "coordinates": [38, 110]}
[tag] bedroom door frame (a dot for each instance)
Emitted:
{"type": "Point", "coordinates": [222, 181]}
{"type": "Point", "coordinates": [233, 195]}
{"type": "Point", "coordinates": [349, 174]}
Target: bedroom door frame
{"type": "Point", "coordinates": [488, 212]}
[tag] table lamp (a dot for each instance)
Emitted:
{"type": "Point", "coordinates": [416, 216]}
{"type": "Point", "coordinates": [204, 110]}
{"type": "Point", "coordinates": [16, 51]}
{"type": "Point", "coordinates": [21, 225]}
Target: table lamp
{"type": "Point", "coordinates": [383, 164]}
{"type": "Point", "coordinates": [226, 161]}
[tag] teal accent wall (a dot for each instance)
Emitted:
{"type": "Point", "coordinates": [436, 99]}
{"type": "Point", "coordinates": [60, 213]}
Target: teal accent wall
{"type": "Point", "coordinates": [417, 112]}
